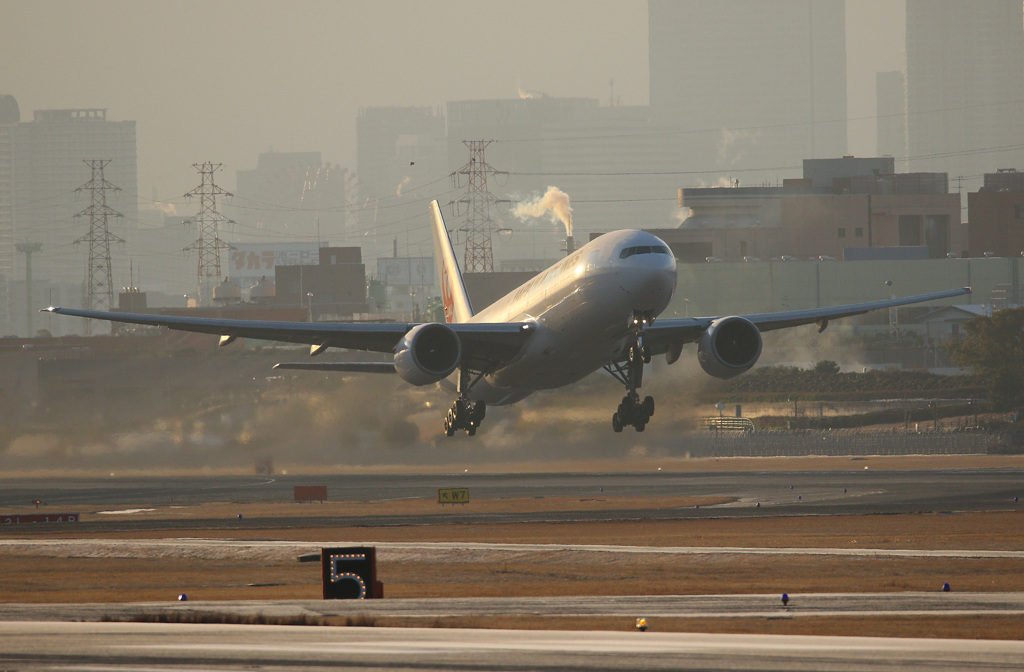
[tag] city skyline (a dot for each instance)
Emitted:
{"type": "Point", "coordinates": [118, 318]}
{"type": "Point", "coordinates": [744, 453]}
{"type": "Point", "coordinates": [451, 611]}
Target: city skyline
{"type": "Point", "coordinates": [229, 80]}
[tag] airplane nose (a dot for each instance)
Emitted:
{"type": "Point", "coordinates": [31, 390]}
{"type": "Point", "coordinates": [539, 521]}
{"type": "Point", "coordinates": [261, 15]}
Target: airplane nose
{"type": "Point", "coordinates": [657, 287]}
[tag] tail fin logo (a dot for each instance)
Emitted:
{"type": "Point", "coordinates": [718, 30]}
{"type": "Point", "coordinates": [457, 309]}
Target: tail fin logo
{"type": "Point", "coordinates": [446, 295]}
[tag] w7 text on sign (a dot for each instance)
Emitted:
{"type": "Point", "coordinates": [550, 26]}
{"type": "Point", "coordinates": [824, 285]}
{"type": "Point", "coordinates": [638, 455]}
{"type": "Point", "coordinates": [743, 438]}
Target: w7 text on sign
{"type": "Point", "coordinates": [453, 496]}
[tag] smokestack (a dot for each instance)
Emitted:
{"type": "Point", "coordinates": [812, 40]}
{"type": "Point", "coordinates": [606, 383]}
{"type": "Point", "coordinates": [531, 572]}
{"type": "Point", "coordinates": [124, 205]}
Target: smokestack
{"type": "Point", "coordinates": [570, 245]}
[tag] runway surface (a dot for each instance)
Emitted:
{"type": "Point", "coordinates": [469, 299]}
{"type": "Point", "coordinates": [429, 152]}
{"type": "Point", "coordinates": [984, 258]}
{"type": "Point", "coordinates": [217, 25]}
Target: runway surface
{"type": "Point", "coordinates": [37, 637]}
{"type": "Point", "coordinates": [625, 607]}
{"type": "Point", "coordinates": [138, 646]}
{"type": "Point", "coordinates": [400, 550]}
{"type": "Point", "coordinates": [777, 492]}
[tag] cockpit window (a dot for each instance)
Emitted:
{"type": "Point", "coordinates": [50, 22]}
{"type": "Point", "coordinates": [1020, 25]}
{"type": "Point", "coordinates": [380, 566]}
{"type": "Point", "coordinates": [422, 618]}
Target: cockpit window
{"type": "Point", "coordinates": [643, 249]}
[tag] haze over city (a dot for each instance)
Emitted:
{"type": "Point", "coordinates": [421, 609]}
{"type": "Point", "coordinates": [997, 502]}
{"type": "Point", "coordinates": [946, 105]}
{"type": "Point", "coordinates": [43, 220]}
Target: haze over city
{"type": "Point", "coordinates": [336, 124]}
{"type": "Point", "coordinates": [223, 81]}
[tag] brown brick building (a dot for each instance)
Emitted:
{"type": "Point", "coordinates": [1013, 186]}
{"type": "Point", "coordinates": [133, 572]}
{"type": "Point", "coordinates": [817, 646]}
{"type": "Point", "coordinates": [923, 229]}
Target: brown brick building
{"type": "Point", "coordinates": [996, 214]}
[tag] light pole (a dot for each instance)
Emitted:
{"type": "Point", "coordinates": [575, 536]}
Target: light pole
{"type": "Point", "coordinates": [309, 298]}
{"type": "Point", "coordinates": [894, 324]}
{"type": "Point", "coordinates": [28, 249]}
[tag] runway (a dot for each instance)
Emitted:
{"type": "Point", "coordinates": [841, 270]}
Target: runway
{"type": "Point", "coordinates": [145, 646]}
{"type": "Point", "coordinates": [778, 493]}
{"type": "Point", "coordinates": [818, 605]}
{"type": "Point", "coordinates": [44, 636]}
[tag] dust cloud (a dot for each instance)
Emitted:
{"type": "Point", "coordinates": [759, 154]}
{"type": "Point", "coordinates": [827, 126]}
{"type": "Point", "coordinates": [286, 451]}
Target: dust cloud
{"type": "Point", "coordinates": [326, 421]}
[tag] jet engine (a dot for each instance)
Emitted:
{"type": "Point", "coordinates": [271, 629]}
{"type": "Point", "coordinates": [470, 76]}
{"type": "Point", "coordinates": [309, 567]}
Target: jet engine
{"type": "Point", "coordinates": [730, 346]}
{"type": "Point", "coordinates": [427, 354]}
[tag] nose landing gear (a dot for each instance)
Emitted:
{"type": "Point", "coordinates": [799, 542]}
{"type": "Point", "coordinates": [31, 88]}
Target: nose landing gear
{"type": "Point", "coordinates": [633, 412]}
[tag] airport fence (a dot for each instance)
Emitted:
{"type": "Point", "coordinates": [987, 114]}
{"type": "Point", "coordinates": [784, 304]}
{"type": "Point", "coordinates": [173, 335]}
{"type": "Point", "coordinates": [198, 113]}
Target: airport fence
{"type": "Point", "coordinates": [712, 443]}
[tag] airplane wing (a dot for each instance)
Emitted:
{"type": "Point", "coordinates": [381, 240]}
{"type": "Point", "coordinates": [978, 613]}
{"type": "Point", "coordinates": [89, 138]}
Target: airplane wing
{"type": "Point", "coordinates": [484, 346]}
{"type": "Point", "coordinates": [350, 367]}
{"type": "Point", "coordinates": [664, 333]}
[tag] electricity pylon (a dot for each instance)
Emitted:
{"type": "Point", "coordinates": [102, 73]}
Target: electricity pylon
{"type": "Point", "coordinates": [100, 293]}
{"type": "Point", "coordinates": [209, 243]}
{"type": "Point", "coordinates": [479, 225]}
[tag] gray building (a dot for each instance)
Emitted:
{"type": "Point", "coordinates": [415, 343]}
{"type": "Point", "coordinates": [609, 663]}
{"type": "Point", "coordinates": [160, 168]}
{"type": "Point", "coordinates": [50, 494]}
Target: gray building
{"type": "Point", "coordinates": [41, 165]}
{"type": "Point", "coordinates": [293, 194]}
{"type": "Point", "coordinates": [891, 108]}
{"type": "Point", "coordinates": [401, 164]}
{"type": "Point", "coordinates": [758, 84]}
{"type": "Point", "coordinates": [965, 84]}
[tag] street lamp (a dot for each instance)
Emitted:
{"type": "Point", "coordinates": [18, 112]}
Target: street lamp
{"type": "Point", "coordinates": [894, 323]}
{"type": "Point", "coordinates": [28, 249]}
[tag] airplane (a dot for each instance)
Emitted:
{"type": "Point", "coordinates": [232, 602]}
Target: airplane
{"type": "Point", "coordinates": [595, 309]}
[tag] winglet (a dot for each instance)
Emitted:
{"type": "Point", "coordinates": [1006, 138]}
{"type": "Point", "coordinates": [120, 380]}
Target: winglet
{"type": "Point", "coordinates": [457, 307]}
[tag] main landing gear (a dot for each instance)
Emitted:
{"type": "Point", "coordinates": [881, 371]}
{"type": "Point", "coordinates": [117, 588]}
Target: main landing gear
{"type": "Point", "coordinates": [633, 412]}
{"type": "Point", "coordinates": [465, 414]}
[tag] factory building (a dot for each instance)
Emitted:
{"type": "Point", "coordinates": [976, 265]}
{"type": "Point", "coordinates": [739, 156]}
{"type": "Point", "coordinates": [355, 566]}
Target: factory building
{"type": "Point", "coordinates": [846, 208]}
{"type": "Point", "coordinates": [333, 289]}
{"type": "Point", "coordinates": [996, 213]}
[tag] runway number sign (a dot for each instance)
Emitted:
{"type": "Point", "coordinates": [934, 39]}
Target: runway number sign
{"type": "Point", "coordinates": [453, 496]}
{"type": "Point", "coordinates": [350, 573]}
{"type": "Point", "coordinates": [22, 519]}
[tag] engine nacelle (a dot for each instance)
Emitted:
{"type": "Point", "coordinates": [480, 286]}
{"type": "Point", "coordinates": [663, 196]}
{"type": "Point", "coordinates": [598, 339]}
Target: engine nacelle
{"type": "Point", "coordinates": [428, 353]}
{"type": "Point", "coordinates": [730, 346]}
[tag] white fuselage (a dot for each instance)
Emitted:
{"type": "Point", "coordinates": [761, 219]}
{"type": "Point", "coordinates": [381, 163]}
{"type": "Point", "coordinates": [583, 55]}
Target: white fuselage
{"type": "Point", "coordinates": [581, 308]}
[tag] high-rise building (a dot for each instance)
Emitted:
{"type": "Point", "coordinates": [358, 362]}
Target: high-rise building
{"type": "Point", "coordinates": [758, 84]}
{"type": "Point", "coordinates": [891, 111]}
{"type": "Point", "coordinates": [965, 87]}
{"type": "Point", "coordinates": [42, 163]}
{"type": "Point", "coordinates": [399, 151]}
{"type": "Point", "coordinates": [293, 195]}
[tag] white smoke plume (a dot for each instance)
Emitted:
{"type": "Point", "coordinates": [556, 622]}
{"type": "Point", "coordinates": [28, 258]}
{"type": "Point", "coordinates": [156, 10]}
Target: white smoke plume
{"type": "Point", "coordinates": [681, 214]}
{"type": "Point", "coordinates": [733, 144]}
{"type": "Point", "coordinates": [402, 185]}
{"type": "Point", "coordinates": [554, 203]}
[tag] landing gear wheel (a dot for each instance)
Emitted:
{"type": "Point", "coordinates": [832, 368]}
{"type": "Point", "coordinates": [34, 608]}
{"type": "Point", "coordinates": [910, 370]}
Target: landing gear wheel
{"type": "Point", "coordinates": [464, 414]}
{"type": "Point", "coordinates": [648, 406]}
{"type": "Point", "coordinates": [640, 426]}
{"type": "Point", "coordinates": [616, 423]}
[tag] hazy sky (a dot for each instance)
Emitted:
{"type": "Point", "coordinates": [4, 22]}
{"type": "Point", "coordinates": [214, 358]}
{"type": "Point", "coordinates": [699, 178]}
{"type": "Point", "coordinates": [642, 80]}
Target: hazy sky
{"type": "Point", "coordinates": [223, 80]}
